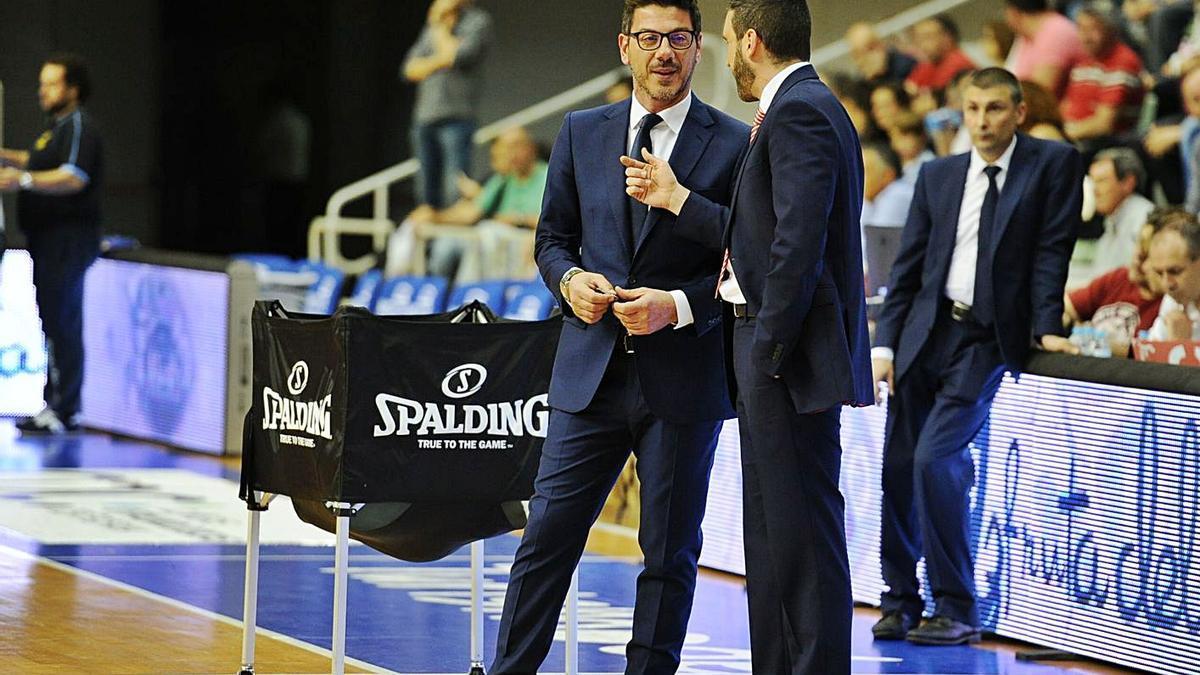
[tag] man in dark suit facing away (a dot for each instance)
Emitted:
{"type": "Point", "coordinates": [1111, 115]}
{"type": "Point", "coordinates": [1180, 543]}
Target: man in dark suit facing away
{"type": "Point", "coordinates": [978, 280]}
{"type": "Point", "coordinates": [639, 364]}
{"type": "Point", "coordinates": [792, 280]}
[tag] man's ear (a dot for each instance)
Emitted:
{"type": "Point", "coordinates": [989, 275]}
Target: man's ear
{"type": "Point", "coordinates": [623, 47]}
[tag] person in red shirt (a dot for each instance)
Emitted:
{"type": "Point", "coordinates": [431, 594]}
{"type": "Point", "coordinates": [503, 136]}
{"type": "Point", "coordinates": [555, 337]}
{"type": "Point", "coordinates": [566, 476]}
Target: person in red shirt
{"type": "Point", "coordinates": [1104, 90]}
{"type": "Point", "coordinates": [1126, 292]}
{"type": "Point", "coordinates": [936, 38]}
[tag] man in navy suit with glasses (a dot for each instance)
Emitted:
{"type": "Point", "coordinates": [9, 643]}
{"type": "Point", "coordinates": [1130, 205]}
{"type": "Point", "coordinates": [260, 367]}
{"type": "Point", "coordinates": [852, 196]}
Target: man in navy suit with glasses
{"type": "Point", "coordinates": [639, 364]}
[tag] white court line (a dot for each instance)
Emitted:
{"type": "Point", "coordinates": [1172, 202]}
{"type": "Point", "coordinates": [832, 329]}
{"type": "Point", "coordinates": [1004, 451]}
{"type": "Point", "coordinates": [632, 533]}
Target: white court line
{"type": "Point", "coordinates": [92, 576]}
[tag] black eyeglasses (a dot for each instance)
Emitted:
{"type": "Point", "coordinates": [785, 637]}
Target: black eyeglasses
{"type": "Point", "coordinates": [649, 40]}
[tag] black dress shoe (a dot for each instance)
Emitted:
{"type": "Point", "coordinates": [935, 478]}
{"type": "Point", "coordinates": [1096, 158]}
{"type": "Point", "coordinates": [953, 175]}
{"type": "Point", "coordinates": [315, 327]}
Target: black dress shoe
{"type": "Point", "coordinates": [942, 630]}
{"type": "Point", "coordinates": [894, 625]}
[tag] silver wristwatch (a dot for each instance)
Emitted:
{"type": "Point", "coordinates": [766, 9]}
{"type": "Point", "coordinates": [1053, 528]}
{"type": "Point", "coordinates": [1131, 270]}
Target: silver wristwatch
{"type": "Point", "coordinates": [565, 282]}
{"type": "Point", "coordinates": [26, 180]}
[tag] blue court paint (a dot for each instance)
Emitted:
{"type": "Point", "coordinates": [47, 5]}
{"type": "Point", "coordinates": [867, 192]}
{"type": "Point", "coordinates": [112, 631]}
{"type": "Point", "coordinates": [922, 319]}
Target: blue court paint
{"type": "Point", "coordinates": [412, 618]}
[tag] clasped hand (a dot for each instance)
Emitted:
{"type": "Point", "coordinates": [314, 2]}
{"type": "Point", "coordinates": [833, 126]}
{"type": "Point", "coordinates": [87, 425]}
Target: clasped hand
{"type": "Point", "coordinates": [641, 311]}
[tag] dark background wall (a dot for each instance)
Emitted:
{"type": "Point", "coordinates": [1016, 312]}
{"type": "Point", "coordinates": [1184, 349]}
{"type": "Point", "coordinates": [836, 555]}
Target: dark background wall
{"type": "Point", "coordinates": [180, 91]}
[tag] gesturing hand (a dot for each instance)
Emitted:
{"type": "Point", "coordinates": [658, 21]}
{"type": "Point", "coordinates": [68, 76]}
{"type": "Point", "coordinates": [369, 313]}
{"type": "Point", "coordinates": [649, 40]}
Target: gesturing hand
{"type": "Point", "coordinates": [652, 182]}
{"type": "Point", "coordinates": [644, 310]}
{"type": "Point", "coordinates": [590, 295]}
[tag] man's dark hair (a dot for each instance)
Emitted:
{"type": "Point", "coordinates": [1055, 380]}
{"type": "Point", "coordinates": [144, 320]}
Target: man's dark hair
{"type": "Point", "coordinates": [947, 24]}
{"type": "Point", "coordinates": [903, 98]}
{"type": "Point", "coordinates": [689, 6]}
{"type": "Point", "coordinates": [851, 88]}
{"type": "Point", "coordinates": [997, 77]}
{"type": "Point", "coordinates": [885, 152]}
{"type": "Point", "coordinates": [1102, 12]}
{"type": "Point", "coordinates": [1125, 163]}
{"type": "Point", "coordinates": [75, 73]}
{"type": "Point", "coordinates": [1029, 6]}
{"type": "Point", "coordinates": [785, 26]}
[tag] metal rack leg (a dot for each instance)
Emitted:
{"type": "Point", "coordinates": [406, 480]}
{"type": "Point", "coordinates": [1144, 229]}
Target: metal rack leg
{"type": "Point", "coordinates": [250, 593]}
{"type": "Point", "coordinates": [572, 628]}
{"type": "Point", "coordinates": [340, 573]}
{"type": "Point", "coordinates": [477, 551]}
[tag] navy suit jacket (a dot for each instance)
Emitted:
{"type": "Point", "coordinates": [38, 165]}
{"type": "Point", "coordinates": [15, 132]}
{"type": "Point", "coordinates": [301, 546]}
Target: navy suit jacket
{"type": "Point", "coordinates": [585, 223]}
{"type": "Point", "coordinates": [1036, 220]}
{"type": "Point", "coordinates": [793, 236]}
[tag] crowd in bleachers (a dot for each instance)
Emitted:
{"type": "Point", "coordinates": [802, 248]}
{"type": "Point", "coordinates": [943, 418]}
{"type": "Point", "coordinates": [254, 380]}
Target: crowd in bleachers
{"type": "Point", "coordinates": [1120, 81]}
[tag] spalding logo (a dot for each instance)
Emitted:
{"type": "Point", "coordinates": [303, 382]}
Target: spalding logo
{"type": "Point", "coordinates": [297, 381]}
{"type": "Point", "coordinates": [464, 380]}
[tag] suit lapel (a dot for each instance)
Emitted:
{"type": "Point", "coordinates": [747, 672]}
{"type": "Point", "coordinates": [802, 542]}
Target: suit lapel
{"type": "Point", "coordinates": [945, 225]}
{"type": "Point", "coordinates": [694, 137]}
{"type": "Point", "coordinates": [614, 133]}
{"type": "Point", "coordinates": [1024, 156]}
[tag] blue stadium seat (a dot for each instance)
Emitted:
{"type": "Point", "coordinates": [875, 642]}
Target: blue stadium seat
{"type": "Point", "coordinates": [411, 295]}
{"type": "Point", "coordinates": [323, 295]}
{"type": "Point", "coordinates": [269, 261]}
{"type": "Point", "coordinates": [490, 293]}
{"type": "Point", "coordinates": [366, 288]}
{"type": "Point", "coordinates": [528, 301]}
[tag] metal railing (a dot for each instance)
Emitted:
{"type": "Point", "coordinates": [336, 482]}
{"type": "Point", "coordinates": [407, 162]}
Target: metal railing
{"type": "Point", "coordinates": [324, 236]}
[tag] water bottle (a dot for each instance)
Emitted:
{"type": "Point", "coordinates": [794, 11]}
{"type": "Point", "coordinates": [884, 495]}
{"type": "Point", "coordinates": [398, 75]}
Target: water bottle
{"type": "Point", "coordinates": [1077, 338]}
{"type": "Point", "coordinates": [1100, 346]}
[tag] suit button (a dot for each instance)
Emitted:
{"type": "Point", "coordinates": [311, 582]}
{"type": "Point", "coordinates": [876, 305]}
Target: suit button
{"type": "Point", "coordinates": [632, 282]}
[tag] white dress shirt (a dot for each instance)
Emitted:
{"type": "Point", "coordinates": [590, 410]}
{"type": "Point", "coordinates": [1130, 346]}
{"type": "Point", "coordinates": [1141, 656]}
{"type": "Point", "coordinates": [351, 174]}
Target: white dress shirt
{"type": "Point", "coordinates": [729, 289]}
{"type": "Point", "coordinates": [662, 141]}
{"type": "Point", "coordinates": [960, 281]}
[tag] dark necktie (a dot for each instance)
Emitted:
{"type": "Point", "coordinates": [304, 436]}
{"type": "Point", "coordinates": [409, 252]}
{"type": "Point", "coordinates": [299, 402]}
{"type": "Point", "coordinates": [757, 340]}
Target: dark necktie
{"type": "Point", "coordinates": [983, 306]}
{"type": "Point", "coordinates": [638, 210]}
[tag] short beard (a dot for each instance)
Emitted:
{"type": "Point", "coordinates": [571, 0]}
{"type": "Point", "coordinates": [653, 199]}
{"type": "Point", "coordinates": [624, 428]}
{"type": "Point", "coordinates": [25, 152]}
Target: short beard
{"type": "Point", "coordinates": [641, 82]}
{"type": "Point", "coordinates": [743, 77]}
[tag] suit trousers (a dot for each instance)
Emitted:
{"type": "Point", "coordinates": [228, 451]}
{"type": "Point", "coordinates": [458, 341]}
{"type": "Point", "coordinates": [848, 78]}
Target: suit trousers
{"type": "Point", "coordinates": [939, 405]}
{"type": "Point", "coordinates": [797, 572]}
{"type": "Point", "coordinates": [583, 454]}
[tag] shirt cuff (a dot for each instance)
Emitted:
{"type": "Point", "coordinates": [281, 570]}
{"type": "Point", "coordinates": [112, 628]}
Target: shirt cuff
{"type": "Point", "coordinates": [683, 310]}
{"type": "Point", "coordinates": [883, 353]}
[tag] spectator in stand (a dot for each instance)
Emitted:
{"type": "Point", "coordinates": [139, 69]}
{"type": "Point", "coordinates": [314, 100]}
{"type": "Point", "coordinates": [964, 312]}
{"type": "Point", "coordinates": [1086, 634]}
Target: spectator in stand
{"type": "Point", "coordinates": [876, 61]}
{"type": "Point", "coordinates": [907, 137]}
{"type": "Point", "coordinates": [1047, 45]}
{"type": "Point", "coordinates": [503, 211]}
{"type": "Point", "coordinates": [936, 39]}
{"type": "Point", "coordinates": [1104, 91]}
{"type": "Point", "coordinates": [446, 63]}
{"type": "Point", "coordinates": [886, 197]}
{"type": "Point", "coordinates": [855, 96]}
{"type": "Point", "coordinates": [1157, 26]}
{"type": "Point", "coordinates": [1171, 146]}
{"type": "Point", "coordinates": [1174, 262]}
{"type": "Point", "coordinates": [1116, 175]}
{"type": "Point", "coordinates": [997, 39]}
{"type": "Point", "coordinates": [888, 101]}
{"type": "Point", "coordinates": [1042, 118]}
{"type": "Point", "coordinates": [1120, 297]}
{"type": "Point", "coordinates": [944, 126]}
{"type": "Point", "coordinates": [1125, 295]}
{"type": "Point", "coordinates": [1188, 47]}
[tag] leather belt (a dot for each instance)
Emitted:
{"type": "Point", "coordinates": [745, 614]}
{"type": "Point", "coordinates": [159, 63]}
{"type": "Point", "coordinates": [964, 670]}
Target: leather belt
{"type": "Point", "coordinates": [742, 312]}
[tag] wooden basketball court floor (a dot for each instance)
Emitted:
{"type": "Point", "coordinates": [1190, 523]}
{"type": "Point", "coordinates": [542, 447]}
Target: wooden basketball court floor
{"type": "Point", "coordinates": [123, 557]}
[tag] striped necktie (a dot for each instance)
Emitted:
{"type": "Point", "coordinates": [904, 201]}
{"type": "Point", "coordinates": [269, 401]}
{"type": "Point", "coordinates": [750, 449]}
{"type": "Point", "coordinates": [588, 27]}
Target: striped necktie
{"type": "Point", "coordinates": [759, 115]}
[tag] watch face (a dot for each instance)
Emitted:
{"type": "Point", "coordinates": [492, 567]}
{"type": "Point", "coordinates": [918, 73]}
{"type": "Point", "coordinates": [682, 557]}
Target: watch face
{"type": "Point", "coordinates": [26, 180]}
